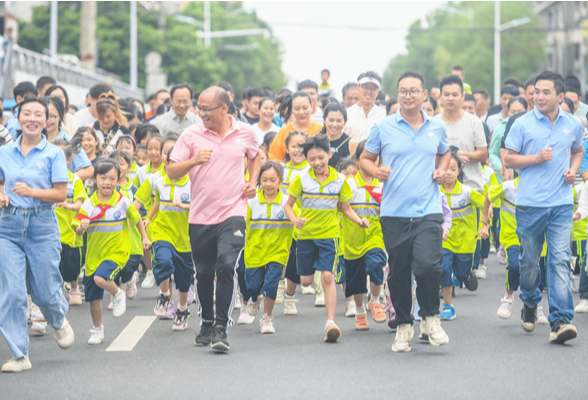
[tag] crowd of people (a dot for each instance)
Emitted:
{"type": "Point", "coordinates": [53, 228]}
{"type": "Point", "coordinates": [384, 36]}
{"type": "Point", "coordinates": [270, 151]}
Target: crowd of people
{"type": "Point", "coordinates": [399, 200]}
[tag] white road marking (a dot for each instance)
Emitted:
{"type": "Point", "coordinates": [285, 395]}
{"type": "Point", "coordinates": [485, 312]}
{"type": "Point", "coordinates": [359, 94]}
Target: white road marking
{"type": "Point", "coordinates": [133, 332]}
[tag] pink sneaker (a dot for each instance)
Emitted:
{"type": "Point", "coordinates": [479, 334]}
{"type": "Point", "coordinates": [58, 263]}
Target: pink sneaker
{"type": "Point", "coordinates": [130, 288]}
{"type": "Point", "coordinates": [75, 297]}
{"type": "Point", "coordinates": [111, 304]}
{"type": "Point", "coordinates": [171, 311]}
{"type": "Point", "coordinates": [191, 297]}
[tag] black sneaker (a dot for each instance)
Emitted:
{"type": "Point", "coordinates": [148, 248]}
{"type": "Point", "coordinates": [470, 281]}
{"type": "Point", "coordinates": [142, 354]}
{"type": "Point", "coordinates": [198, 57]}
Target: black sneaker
{"type": "Point", "coordinates": [562, 332]}
{"type": "Point", "coordinates": [219, 338]}
{"type": "Point", "coordinates": [471, 283]}
{"type": "Point", "coordinates": [204, 338]}
{"type": "Point", "coordinates": [529, 318]}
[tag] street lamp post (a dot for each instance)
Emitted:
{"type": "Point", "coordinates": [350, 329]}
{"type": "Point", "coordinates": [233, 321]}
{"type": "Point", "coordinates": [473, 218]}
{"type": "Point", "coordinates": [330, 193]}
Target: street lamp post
{"type": "Point", "coordinates": [498, 28]}
{"type": "Point", "coordinates": [133, 72]}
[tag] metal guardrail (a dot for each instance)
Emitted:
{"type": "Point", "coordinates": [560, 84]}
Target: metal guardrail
{"type": "Point", "coordinates": [20, 59]}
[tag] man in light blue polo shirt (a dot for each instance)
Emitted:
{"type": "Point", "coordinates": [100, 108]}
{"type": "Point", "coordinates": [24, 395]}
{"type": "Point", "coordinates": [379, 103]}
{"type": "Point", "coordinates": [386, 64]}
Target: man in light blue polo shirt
{"type": "Point", "coordinates": [546, 147]}
{"type": "Point", "coordinates": [415, 155]}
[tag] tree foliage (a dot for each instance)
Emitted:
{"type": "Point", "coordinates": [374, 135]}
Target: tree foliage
{"type": "Point", "coordinates": [185, 58]}
{"type": "Point", "coordinates": [462, 33]}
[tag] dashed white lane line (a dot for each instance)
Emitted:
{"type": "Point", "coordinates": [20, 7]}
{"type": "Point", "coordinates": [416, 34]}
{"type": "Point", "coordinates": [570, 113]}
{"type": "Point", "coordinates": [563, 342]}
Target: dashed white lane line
{"type": "Point", "coordinates": [133, 332]}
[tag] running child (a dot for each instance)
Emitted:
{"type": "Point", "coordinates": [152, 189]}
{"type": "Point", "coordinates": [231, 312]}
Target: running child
{"type": "Point", "coordinates": [71, 244]}
{"type": "Point", "coordinates": [141, 155]}
{"type": "Point", "coordinates": [154, 166]}
{"type": "Point", "coordinates": [578, 242]}
{"type": "Point", "coordinates": [127, 143]}
{"type": "Point", "coordinates": [104, 215]}
{"type": "Point", "coordinates": [295, 164]}
{"type": "Point", "coordinates": [321, 191]}
{"type": "Point", "coordinates": [364, 249]}
{"type": "Point", "coordinates": [168, 220]}
{"type": "Point", "coordinates": [580, 202]}
{"type": "Point", "coordinates": [269, 238]}
{"type": "Point", "coordinates": [460, 246]}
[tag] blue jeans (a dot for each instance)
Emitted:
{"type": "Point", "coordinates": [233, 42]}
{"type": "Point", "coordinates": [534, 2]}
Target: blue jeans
{"type": "Point", "coordinates": [533, 225]}
{"type": "Point", "coordinates": [29, 238]}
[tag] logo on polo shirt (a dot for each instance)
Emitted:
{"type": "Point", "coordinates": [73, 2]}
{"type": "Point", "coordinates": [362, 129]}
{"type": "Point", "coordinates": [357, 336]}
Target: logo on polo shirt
{"type": "Point", "coordinates": [69, 192]}
{"type": "Point", "coordinates": [281, 215]}
{"type": "Point", "coordinates": [462, 203]}
{"type": "Point", "coordinates": [331, 189]}
{"type": "Point", "coordinates": [40, 165]}
{"type": "Point", "coordinates": [238, 142]}
{"type": "Point", "coordinates": [117, 215]}
{"type": "Point", "coordinates": [431, 134]}
{"type": "Point", "coordinates": [185, 198]}
{"type": "Point", "coordinates": [567, 131]}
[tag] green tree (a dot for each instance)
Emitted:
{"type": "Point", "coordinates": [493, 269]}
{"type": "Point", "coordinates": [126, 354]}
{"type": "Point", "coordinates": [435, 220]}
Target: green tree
{"type": "Point", "coordinates": [466, 38]}
{"type": "Point", "coordinates": [185, 59]}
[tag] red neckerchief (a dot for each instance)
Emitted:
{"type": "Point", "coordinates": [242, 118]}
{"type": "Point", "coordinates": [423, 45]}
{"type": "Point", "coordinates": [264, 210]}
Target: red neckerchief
{"type": "Point", "coordinates": [102, 207]}
{"type": "Point", "coordinates": [375, 192]}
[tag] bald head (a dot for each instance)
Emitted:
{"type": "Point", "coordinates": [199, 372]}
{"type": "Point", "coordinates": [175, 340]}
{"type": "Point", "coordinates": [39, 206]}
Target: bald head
{"type": "Point", "coordinates": [217, 94]}
{"type": "Point", "coordinates": [216, 100]}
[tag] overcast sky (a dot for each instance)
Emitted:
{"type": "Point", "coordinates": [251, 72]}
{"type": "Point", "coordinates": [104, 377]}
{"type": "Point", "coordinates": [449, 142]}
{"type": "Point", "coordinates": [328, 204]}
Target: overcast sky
{"type": "Point", "coordinates": [349, 46]}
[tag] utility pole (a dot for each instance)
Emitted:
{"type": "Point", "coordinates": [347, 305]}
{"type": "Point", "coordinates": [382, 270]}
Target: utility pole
{"type": "Point", "coordinates": [207, 24]}
{"type": "Point", "coordinates": [88, 33]}
{"type": "Point", "coordinates": [133, 63]}
{"type": "Point", "coordinates": [53, 31]}
{"type": "Point", "coordinates": [497, 52]}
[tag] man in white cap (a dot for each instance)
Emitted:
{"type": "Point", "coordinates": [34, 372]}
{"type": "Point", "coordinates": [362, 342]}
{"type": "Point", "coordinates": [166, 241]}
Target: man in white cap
{"type": "Point", "coordinates": [362, 115]}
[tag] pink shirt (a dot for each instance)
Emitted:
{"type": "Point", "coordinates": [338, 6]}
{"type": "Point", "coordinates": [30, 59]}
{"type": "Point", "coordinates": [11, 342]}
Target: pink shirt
{"type": "Point", "coordinates": [217, 186]}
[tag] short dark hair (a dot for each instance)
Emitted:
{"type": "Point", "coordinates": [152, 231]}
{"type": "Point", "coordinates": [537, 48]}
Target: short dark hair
{"type": "Point", "coordinates": [245, 92]}
{"type": "Point", "coordinates": [519, 99]}
{"type": "Point", "coordinates": [44, 81]}
{"type": "Point", "coordinates": [348, 86]}
{"type": "Point", "coordinates": [573, 81]}
{"type": "Point", "coordinates": [98, 89]}
{"type": "Point", "coordinates": [530, 82]}
{"type": "Point", "coordinates": [569, 103]}
{"type": "Point", "coordinates": [458, 68]}
{"type": "Point", "coordinates": [370, 74]}
{"type": "Point", "coordinates": [345, 163]}
{"type": "Point", "coordinates": [320, 141]}
{"type": "Point", "coordinates": [393, 100]}
{"type": "Point", "coordinates": [152, 96]}
{"type": "Point", "coordinates": [511, 90]}
{"type": "Point", "coordinates": [271, 165]}
{"type": "Point", "coordinates": [412, 74]}
{"type": "Point", "coordinates": [227, 86]}
{"type": "Point", "coordinates": [451, 80]}
{"type": "Point", "coordinates": [327, 71]}
{"type": "Point", "coordinates": [307, 84]}
{"type": "Point", "coordinates": [181, 86]}
{"type": "Point", "coordinates": [556, 78]}
{"type": "Point", "coordinates": [222, 97]}
{"type": "Point", "coordinates": [104, 166]}
{"type": "Point", "coordinates": [573, 90]}
{"type": "Point", "coordinates": [24, 88]}
{"type": "Point", "coordinates": [511, 81]}
{"type": "Point", "coordinates": [470, 97]}
{"type": "Point", "coordinates": [255, 92]}
{"type": "Point", "coordinates": [161, 91]}
{"type": "Point", "coordinates": [145, 130]}
{"type": "Point", "coordinates": [485, 94]}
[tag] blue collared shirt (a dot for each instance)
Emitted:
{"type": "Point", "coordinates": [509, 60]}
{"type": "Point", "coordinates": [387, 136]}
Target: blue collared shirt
{"type": "Point", "coordinates": [12, 124]}
{"type": "Point", "coordinates": [410, 191]}
{"type": "Point", "coordinates": [543, 185]}
{"type": "Point", "coordinates": [79, 160]}
{"type": "Point", "coordinates": [43, 166]}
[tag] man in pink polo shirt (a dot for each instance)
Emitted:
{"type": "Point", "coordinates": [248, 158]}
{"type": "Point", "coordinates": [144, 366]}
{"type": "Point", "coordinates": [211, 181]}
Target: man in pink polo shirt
{"type": "Point", "coordinates": [213, 152]}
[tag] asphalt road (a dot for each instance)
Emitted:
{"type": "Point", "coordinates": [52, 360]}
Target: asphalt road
{"type": "Point", "coordinates": [486, 358]}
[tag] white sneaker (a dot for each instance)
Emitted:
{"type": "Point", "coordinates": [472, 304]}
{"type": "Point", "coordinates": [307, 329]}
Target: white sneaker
{"type": "Point", "coordinates": [319, 299]}
{"type": "Point", "coordinates": [290, 306]}
{"type": "Point", "coordinates": [436, 334]}
{"type": "Point", "coordinates": [582, 306]}
{"type": "Point", "coordinates": [64, 336]}
{"type": "Point", "coordinates": [253, 306]}
{"type": "Point", "coordinates": [505, 308]}
{"type": "Point", "coordinates": [351, 310]}
{"type": "Point", "coordinates": [404, 335]}
{"type": "Point", "coordinates": [244, 317]}
{"type": "Point", "coordinates": [238, 303]}
{"type": "Point", "coordinates": [119, 302]}
{"type": "Point", "coordinates": [541, 318]}
{"type": "Point", "coordinates": [481, 272]}
{"type": "Point", "coordinates": [96, 335]}
{"type": "Point", "coordinates": [266, 324]}
{"type": "Point", "coordinates": [281, 291]}
{"type": "Point", "coordinates": [307, 290]}
{"type": "Point", "coordinates": [149, 280]}
{"type": "Point", "coordinates": [17, 365]}
{"type": "Point", "coordinates": [130, 288]}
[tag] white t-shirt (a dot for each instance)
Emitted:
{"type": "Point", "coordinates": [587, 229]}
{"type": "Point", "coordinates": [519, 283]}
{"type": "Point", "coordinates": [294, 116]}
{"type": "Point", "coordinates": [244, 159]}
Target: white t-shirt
{"type": "Point", "coordinates": [358, 125]}
{"type": "Point", "coordinates": [84, 118]}
{"type": "Point", "coordinates": [467, 134]}
{"type": "Point", "coordinates": [260, 135]}
{"type": "Point", "coordinates": [317, 116]}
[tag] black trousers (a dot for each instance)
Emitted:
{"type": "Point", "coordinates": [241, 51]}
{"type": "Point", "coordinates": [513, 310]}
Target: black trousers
{"type": "Point", "coordinates": [414, 245]}
{"type": "Point", "coordinates": [216, 250]}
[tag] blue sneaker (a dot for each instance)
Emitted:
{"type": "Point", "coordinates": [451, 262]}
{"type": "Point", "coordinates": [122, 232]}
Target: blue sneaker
{"type": "Point", "coordinates": [448, 312]}
{"type": "Point", "coordinates": [456, 282]}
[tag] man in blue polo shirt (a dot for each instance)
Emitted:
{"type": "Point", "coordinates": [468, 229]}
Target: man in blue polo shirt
{"type": "Point", "coordinates": [546, 147]}
{"type": "Point", "coordinates": [415, 155]}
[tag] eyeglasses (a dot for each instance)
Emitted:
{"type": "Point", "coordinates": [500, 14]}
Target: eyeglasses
{"type": "Point", "coordinates": [182, 103]}
{"type": "Point", "coordinates": [206, 111]}
{"type": "Point", "coordinates": [413, 92]}
{"type": "Point", "coordinates": [369, 88]}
